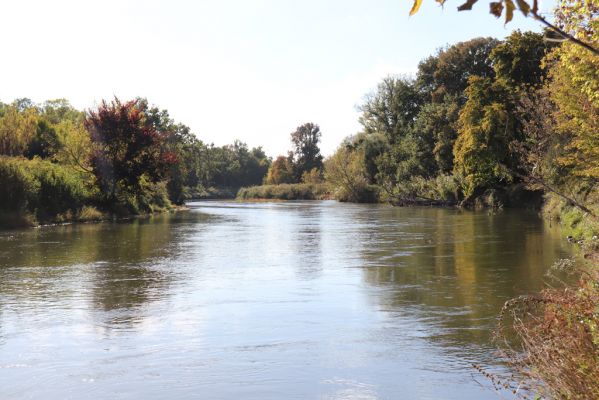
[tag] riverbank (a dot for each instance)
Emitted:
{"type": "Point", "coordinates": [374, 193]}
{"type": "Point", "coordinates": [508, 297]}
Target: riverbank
{"type": "Point", "coordinates": [287, 191]}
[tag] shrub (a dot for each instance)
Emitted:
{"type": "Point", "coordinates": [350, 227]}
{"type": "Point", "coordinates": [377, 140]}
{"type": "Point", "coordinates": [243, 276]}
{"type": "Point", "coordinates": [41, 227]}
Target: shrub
{"type": "Point", "coordinates": [18, 185]}
{"type": "Point", "coordinates": [297, 191]}
{"type": "Point", "coordinates": [556, 354]}
{"type": "Point", "coordinates": [40, 188]}
{"type": "Point", "coordinates": [89, 213]}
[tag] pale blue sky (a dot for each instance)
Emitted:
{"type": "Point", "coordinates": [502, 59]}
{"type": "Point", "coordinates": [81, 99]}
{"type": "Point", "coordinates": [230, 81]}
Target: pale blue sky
{"type": "Point", "coordinates": [252, 70]}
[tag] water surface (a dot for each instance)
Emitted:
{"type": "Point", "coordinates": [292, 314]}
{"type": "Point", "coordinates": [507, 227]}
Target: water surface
{"type": "Point", "coordinates": [295, 300]}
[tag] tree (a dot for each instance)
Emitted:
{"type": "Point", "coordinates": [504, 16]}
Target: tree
{"type": "Point", "coordinates": [305, 148]}
{"type": "Point", "coordinates": [18, 127]}
{"type": "Point", "coordinates": [391, 108]}
{"type": "Point", "coordinates": [518, 60]}
{"type": "Point", "coordinates": [481, 151]}
{"type": "Point", "coordinates": [346, 172]}
{"type": "Point", "coordinates": [126, 146]}
{"type": "Point", "coordinates": [447, 72]}
{"type": "Point", "coordinates": [436, 126]}
{"type": "Point", "coordinates": [280, 171]}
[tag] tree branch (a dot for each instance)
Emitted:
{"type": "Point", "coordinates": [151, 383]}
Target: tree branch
{"type": "Point", "coordinates": [564, 34]}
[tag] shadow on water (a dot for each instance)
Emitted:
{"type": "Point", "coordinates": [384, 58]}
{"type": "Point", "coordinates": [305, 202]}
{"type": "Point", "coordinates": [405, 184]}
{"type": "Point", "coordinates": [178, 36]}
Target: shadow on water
{"type": "Point", "coordinates": [454, 270]}
{"type": "Point", "coordinates": [116, 268]}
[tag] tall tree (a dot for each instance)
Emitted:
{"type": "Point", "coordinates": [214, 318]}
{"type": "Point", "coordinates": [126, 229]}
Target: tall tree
{"type": "Point", "coordinates": [447, 72]}
{"type": "Point", "coordinates": [391, 108]}
{"type": "Point", "coordinates": [306, 151]}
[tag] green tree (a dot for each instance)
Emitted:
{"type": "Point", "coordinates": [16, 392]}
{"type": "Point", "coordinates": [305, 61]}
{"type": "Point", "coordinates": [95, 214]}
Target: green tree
{"type": "Point", "coordinates": [306, 151]}
{"type": "Point", "coordinates": [391, 108]}
{"type": "Point", "coordinates": [518, 60]}
{"type": "Point", "coordinates": [448, 71]}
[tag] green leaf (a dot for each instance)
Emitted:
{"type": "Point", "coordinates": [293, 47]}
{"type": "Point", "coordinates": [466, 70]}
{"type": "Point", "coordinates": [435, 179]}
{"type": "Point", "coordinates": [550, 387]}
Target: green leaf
{"type": "Point", "coordinates": [496, 8]}
{"type": "Point", "coordinates": [467, 5]}
{"type": "Point", "coordinates": [524, 7]}
{"type": "Point", "coordinates": [509, 10]}
{"type": "Point", "coordinates": [415, 7]}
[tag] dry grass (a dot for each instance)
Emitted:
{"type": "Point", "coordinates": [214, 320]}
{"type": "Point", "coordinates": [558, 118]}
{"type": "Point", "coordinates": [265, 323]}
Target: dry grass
{"type": "Point", "coordinates": [555, 353]}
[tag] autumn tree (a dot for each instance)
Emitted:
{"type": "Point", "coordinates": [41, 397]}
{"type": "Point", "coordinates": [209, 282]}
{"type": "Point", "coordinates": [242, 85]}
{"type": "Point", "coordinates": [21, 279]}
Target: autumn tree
{"type": "Point", "coordinates": [126, 147]}
{"type": "Point", "coordinates": [481, 151]}
{"type": "Point", "coordinates": [280, 171]}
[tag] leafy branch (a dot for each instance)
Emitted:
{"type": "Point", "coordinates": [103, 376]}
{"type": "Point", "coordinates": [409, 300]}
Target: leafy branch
{"type": "Point", "coordinates": [497, 8]}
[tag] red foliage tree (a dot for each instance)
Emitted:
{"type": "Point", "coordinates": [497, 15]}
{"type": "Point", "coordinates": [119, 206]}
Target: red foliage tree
{"type": "Point", "coordinates": [126, 146]}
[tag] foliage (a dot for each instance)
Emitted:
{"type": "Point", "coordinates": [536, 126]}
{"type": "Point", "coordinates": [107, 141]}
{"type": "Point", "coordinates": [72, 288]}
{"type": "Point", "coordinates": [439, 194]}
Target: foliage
{"type": "Point", "coordinates": [280, 171]}
{"type": "Point", "coordinates": [346, 172]}
{"type": "Point", "coordinates": [312, 176]}
{"type": "Point", "coordinates": [126, 146]}
{"type": "Point", "coordinates": [447, 72]}
{"type": "Point", "coordinates": [305, 148]}
{"type": "Point", "coordinates": [576, 19]}
{"type": "Point", "coordinates": [481, 150]}
{"type": "Point", "coordinates": [574, 88]}
{"type": "Point", "coordinates": [285, 191]}
{"type": "Point", "coordinates": [17, 129]}
{"type": "Point", "coordinates": [557, 352]}
{"type": "Point", "coordinates": [518, 60]}
{"type": "Point", "coordinates": [391, 108]}
{"type": "Point", "coordinates": [40, 188]}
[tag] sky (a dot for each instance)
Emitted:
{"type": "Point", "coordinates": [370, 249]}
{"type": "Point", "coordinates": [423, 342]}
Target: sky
{"type": "Point", "coordinates": [251, 70]}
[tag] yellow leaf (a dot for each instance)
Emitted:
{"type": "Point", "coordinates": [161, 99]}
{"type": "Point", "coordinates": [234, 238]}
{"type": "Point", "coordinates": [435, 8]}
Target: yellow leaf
{"type": "Point", "coordinates": [415, 7]}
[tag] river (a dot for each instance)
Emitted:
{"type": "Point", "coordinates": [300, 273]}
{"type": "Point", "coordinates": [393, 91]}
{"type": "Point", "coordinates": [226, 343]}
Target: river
{"type": "Point", "coordinates": [289, 300]}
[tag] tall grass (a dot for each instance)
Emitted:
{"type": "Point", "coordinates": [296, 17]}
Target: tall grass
{"type": "Point", "coordinates": [285, 191]}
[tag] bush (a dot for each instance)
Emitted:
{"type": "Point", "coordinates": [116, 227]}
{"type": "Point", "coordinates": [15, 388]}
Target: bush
{"type": "Point", "coordinates": [574, 221]}
{"type": "Point", "coordinates": [285, 191]}
{"type": "Point", "coordinates": [360, 194]}
{"type": "Point", "coordinates": [40, 188]}
{"type": "Point", "coordinates": [18, 185]}
{"type": "Point", "coordinates": [557, 349]}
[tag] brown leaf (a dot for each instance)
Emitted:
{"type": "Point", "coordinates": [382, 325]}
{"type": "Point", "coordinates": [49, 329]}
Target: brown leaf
{"type": "Point", "coordinates": [496, 8]}
{"type": "Point", "coordinates": [415, 7]}
{"type": "Point", "coordinates": [524, 7]}
{"type": "Point", "coordinates": [467, 5]}
{"type": "Point", "coordinates": [441, 2]}
{"type": "Point", "coordinates": [509, 10]}
{"type": "Point", "coordinates": [535, 7]}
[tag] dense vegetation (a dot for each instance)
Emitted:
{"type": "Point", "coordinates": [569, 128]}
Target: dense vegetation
{"type": "Point", "coordinates": [122, 158]}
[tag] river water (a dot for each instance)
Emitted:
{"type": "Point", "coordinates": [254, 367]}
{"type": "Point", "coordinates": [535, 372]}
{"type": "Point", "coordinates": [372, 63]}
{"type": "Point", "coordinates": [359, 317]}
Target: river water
{"type": "Point", "coordinates": [293, 300]}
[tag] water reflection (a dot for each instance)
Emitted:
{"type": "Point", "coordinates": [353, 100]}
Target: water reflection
{"type": "Point", "coordinates": [263, 301]}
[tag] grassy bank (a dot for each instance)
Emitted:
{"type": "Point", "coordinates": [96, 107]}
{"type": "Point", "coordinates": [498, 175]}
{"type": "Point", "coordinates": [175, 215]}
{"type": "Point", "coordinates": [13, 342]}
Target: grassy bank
{"type": "Point", "coordinates": [39, 192]}
{"type": "Point", "coordinates": [285, 191]}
